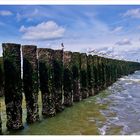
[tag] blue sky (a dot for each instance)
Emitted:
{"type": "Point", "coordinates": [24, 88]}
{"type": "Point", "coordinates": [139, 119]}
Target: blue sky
{"type": "Point", "coordinates": [112, 30]}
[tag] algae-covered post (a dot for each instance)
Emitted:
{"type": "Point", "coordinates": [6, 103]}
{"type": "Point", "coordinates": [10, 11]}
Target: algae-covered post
{"type": "Point", "coordinates": [1, 77]}
{"type": "Point", "coordinates": [13, 85]}
{"type": "Point", "coordinates": [0, 121]}
{"type": "Point", "coordinates": [90, 75]}
{"type": "Point", "coordinates": [101, 73]}
{"type": "Point", "coordinates": [99, 68]}
{"type": "Point", "coordinates": [58, 79]}
{"type": "Point", "coordinates": [108, 71]}
{"type": "Point", "coordinates": [83, 75]}
{"type": "Point", "coordinates": [30, 82]}
{"type": "Point", "coordinates": [67, 79]}
{"type": "Point", "coordinates": [46, 74]}
{"type": "Point", "coordinates": [77, 96]}
{"type": "Point", "coordinates": [95, 73]}
{"type": "Point", "coordinates": [114, 74]}
{"type": "Point", "coordinates": [1, 92]}
{"type": "Point", "coordinates": [104, 72]}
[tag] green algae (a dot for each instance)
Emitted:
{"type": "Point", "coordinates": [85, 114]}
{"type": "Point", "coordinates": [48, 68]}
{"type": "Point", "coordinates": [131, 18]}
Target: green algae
{"type": "Point", "coordinates": [81, 119]}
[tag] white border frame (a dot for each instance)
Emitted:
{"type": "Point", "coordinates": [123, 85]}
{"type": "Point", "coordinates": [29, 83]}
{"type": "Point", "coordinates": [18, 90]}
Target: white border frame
{"type": "Point", "coordinates": [68, 137]}
{"type": "Point", "coordinates": [69, 2]}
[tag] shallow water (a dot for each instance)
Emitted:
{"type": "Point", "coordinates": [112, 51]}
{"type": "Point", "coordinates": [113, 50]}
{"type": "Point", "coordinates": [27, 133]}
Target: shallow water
{"type": "Point", "coordinates": [114, 111]}
{"type": "Point", "coordinates": [125, 104]}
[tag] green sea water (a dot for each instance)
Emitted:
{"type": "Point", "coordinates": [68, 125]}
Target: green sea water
{"type": "Point", "coordinates": [80, 119]}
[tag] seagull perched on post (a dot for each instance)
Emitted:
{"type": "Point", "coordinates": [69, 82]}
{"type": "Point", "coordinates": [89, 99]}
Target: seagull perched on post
{"type": "Point", "coordinates": [62, 45]}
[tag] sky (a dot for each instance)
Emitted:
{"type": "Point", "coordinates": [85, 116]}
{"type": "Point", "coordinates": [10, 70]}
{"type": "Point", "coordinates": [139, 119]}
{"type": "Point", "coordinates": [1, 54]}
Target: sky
{"type": "Point", "coordinates": [110, 30]}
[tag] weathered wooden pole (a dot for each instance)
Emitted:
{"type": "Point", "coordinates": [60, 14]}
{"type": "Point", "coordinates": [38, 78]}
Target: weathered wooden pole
{"type": "Point", "coordinates": [95, 72]}
{"type": "Point", "coordinates": [114, 71]}
{"type": "Point", "coordinates": [67, 79]}
{"type": "Point", "coordinates": [90, 75]}
{"type": "Point", "coordinates": [58, 79]}
{"type": "Point", "coordinates": [100, 73]}
{"type": "Point", "coordinates": [13, 85]}
{"type": "Point", "coordinates": [0, 125]}
{"type": "Point", "coordinates": [84, 76]}
{"type": "Point", "coordinates": [30, 82]}
{"type": "Point", "coordinates": [1, 93]}
{"type": "Point", "coordinates": [77, 96]}
{"type": "Point", "coordinates": [1, 77]}
{"type": "Point", "coordinates": [119, 68]}
{"type": "Point", "coordinates": [46, 72]}
{"type": "Point", "coordinates": [0, 121]}
{"type": "Point", "coordinates": [108, 71]}
{"type": "Point", "coordinates": [103, 72]}
{"type": "Point", "coordinates": [111, 66]}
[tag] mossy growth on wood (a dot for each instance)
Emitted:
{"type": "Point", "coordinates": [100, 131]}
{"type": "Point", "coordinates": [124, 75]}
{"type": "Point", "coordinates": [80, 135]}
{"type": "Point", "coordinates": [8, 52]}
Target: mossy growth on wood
{"type": "Point", "coordinates": [0, 123]}
{"type": "Point", "coordinates": [30, 82]}
{"type": "Point", "coordinates": [13, 85]}
{"type": "Point", "coordinates": [77, 96]}
{"type": "Point", "coordinates": [83, 75]}
{"type": "Point", "coordinates": [108, 71]}
{"type": "Point", "coordinates": [90, 75]}
{"type": "Point", "coordinates": [46, 74]}
{"type": "Point", "coordinates": [102, 75]}
{"type": "Point", "coordinates": [1, 77]}
{"type": "Point", "coordinates": [96, 75]}
{"type": "Point", "coordinates": [114, 72]}
{"type": "Point", "coordinates": [105, 72]}
{"type": "Point", "coordinates": [67, 79]}
{"type": "Point", "coordinates": [58, 79]}
{"type": "Point", "coordinates": [1, 88]}
{"type": "Point", "coordinates": [103, 63]}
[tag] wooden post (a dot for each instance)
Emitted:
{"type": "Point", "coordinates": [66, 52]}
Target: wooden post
{"type": "Point", "coordinates": [95, 72]}
{"type": "Point", "coordinates": [13, 85]}
{"type": "Point", "coordinates": [1, 91]}
{"type": "Point", "coordinates": [77, 96]}
{"type": "Point", "coordinates": [30, 82]}
{"type": "Point", "coordinates": [67, 79]}
{"type": "Point", "coordinates": [84, 76]}
{"type": "Point", "coordinates": [90, 75]}
{"type": "Point", "coordinates": [46, 72]}
{"type": "Point", "coordinates": [1, 77]}
{"type": "Point", "coordinates": [58, 79]}
{"type": "Point", "coordinates": [0, 121]}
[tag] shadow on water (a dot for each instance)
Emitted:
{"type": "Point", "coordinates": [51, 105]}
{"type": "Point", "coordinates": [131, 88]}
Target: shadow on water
{"type": "Point", "coordinates": [114, 111]}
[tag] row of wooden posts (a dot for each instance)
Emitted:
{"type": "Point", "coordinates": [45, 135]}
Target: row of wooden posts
{"type": "Point", "coordinates": [63, 77]}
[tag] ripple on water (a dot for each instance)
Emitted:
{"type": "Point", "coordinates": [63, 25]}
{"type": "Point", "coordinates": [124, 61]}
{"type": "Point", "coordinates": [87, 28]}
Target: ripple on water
{"type": "Point", "coordinates": [126, 105]}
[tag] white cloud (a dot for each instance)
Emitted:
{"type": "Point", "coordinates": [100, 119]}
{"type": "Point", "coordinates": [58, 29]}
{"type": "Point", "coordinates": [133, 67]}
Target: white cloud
{"type": "Point", "coordinates": [125, 41]}
{"type": "Point", "coordinates": [5, 13]}
{"type": "Point", "coordinates": [133, 13]}
{"type": "Point", "coordinates": [43, 31]}
{"type": "Point", "coordinates": [117, 29]}
{"type": "Point", "coordinates": [29, 16]}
